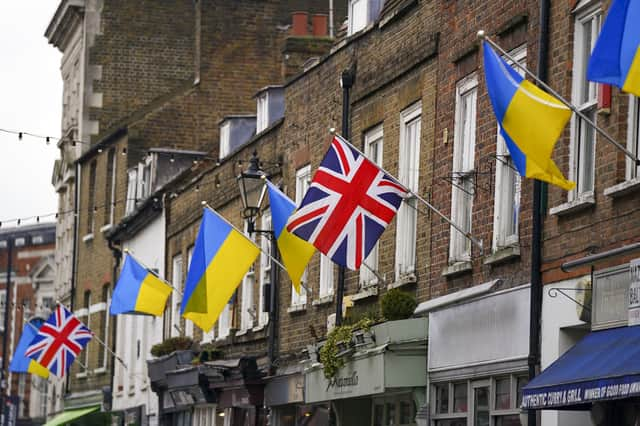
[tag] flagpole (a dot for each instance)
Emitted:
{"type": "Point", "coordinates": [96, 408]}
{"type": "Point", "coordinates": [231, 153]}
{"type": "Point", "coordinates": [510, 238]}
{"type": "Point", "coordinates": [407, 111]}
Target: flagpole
{"type": "Point", "coordinates": [204, 203]}
{"type": "Point", "coordinates": [467, 235]}
{"type": "Point", "coordinates": [482, 35]}
{"type": "Point", "coordinates": [99, 340]}
{"type": "Point", "coordinates": [128, 253]}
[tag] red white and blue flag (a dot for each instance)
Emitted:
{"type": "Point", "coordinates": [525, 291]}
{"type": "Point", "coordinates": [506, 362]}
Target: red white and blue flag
{"type": "Point", "coordinates": [59, 341]}
{"type": "Point", "coordinates": [348, 205]}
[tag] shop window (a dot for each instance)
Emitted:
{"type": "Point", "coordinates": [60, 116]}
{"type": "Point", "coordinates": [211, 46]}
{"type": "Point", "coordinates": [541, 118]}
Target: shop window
{"type": "Point", "coordinates": [408, 173]}
{"type": "Point", "coordinates": [585, 97]}
{"type": "Point", "coordinates": [394, 411]}
{"type": "Point", "coordinates": [373, 150]}
{"type": "Point", "coordinates": [460, 398]}
{"type": "Point", "coordinates": [463, 168]}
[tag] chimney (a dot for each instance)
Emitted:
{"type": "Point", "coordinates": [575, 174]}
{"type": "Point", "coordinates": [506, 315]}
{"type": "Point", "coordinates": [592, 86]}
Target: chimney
{"type": "Point", "coordinates": [319, 22]}
{"type": "Point", "coordinates": [299, 23]}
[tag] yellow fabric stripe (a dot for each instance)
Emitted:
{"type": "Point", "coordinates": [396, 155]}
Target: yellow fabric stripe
{"type": "Point", "coordinates": [296, 254]}
{"type": "Point", "coordinates": [529, 108]}
{"type": "Point", "coordinates": [632, 83]}
{"type": "Point", "coordinates": [153, 295]}
{"type": "Point", "coordinates": [224, 273]}
{"type": "Point", "coordinates": [38, 369]}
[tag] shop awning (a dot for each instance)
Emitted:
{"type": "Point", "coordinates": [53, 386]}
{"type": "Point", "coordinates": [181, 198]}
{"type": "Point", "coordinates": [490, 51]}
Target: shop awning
{"type": "Point", "coordinates": [71, 415]}
{"type": "Point", "coordinates": [604, 365]}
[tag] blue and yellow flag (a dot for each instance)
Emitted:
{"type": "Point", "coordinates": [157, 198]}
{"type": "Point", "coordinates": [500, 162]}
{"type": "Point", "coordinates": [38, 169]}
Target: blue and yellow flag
{"type": "Point", "coordinates": [616, 56]}
{"type": "Point", "coordinates": [295, 251]}
{"type": "Point", "coordinates": [139, 291]}
{"type": "Point", "coordinates": [530, 120]}
{"type": "Point", "coordinates": [221, 257]}
{"type": "Point", "coordinates": [20, 363]}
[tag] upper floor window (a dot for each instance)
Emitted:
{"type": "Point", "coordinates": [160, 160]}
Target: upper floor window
{"type": "Point", "coordinates": [262, 118]}
{"type": "Point", "coordinates": [373, 150]}
{"type": "Point", "coordinates": [463, 167]}
{"type": "Point", "coordinates": [508, 187]}
{"type": "Point", "coordinates": [225, 139]}
{"type": "Point", "coordinates": [585, 97]}
{"type": "Point", "coordinates": [303, 179]}
{"type": "Point", "coordinates": [265, 269]}
{"type": "Point", "coordinates": [176, 280]}
{"type": "Point", "coordinates": [110, 189]}
{"type": "Point", "coordinates": [248, 310]}
{"type": "Point", "coordinates": [188, 324]}
{"type": "Point", "coordinates": [633, 136]}
{"type": "Point", "coordinates": [91, 204]}
{"type": "Point", "coordinates": [132, 190]}
{"type": "Point", "coordinates": [408, 173]}
{"type": "Point", "coordinates": [358, 11]}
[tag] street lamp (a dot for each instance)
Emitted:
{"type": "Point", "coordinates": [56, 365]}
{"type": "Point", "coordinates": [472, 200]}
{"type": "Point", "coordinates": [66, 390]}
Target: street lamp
{"type": "Point", "coordinates": [252, 184]}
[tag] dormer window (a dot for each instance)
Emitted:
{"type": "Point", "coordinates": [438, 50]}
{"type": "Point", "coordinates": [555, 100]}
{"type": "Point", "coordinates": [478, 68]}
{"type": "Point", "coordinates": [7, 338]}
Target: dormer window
{"type": "Point", "coordinates": [362, 13]}
{"type": "Point", "coordinates": [235, 131]}
{"type": "Point", "coordinates": [270, 107]}
{"type": "Point", "coordinates": [225, 139]}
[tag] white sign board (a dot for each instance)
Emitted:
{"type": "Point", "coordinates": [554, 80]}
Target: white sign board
{"type": "Point", "coordinates": [634, 292]}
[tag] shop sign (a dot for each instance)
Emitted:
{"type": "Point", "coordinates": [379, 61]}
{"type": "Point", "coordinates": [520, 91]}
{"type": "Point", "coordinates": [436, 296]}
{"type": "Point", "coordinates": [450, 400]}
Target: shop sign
{"type": "Point", "coordinates": [610, 297]}
{"type": "Point", "coordinates": [634, 292]}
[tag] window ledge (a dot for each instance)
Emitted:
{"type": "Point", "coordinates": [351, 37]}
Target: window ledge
{"type": "Point", "coordinates": [623, 188]}
{"type": "Point", "coordinates": [502, 254]}
{"type": "Point", "coordinates": [297, 308]}
{"type": "Point", "coordinates": [574, 206]}
{"type": "Point", "coordinates": [106, 228]}
{"type": "Point", "coordinates": [242, 332]}
{"type": "Point", "coordinates": [82, 375]}
{"type": "Point", "coordinates": [457, 269]}
{"type": "Point", "coordinates": [404, 279]}
{"type": "Point", "coordinates": [323, 300]}
{"type": "Point", "coordinates": [259, 327]}
{"type": "Point", "coordinates": [100, 370]}
{"type": "Point", "coordinates": [365, 293]}
{"type": "Point", "coordinates": [87, 238]}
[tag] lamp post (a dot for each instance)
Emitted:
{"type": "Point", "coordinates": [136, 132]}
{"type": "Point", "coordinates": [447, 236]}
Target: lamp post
{"type": "Point", "coordinates": [252, 187]}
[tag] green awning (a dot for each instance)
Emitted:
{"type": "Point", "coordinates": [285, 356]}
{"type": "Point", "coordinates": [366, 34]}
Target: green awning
{"type": "Point", "coordinates": [70, 415]}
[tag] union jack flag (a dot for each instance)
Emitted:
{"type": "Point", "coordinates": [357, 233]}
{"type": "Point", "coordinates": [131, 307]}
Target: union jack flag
{"type": "Point", "coordinates": [348, 205]}
{"type": "Point", "coordinates": [59, 341]}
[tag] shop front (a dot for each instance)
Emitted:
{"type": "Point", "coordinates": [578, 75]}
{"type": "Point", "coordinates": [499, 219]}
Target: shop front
{"type": "Point", "coordinates": [382, 383]}
{"type": "Point", "coordinates": [284, 398]}
{"type": "Point", "coordinates": [599, 375]}
{"type": "Point", "coordinates": [478, 349]}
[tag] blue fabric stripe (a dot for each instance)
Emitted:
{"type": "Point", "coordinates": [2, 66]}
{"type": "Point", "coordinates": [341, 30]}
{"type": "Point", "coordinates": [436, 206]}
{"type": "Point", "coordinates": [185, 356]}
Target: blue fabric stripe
{"type": "Point", "coordinates": [518, 157]}
{"type": "Point", "coordinates": [502, 81]}
{"type": "Point", "coordinates": [281, 209]}
{"type": "Point", "coordinates": [604, 64]}
{"type": "Point", "coordinates": [211, 236]}
{"type": "Point", "coordinates": [20, 362]}
{"type": "Point", "coordinates": [631, 38]}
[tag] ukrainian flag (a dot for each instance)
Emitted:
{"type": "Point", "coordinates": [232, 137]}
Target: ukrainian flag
{"type": "Point", "coordinates": [616, 56]}
{"type": "Point", "coordinates": [21, 363]}
{"type": "Point", "coordinates": [221, 257]}
{"type": "Point", "coordinates": [530, 120]}
{"type": "Point", "coordinates": [139, 291]}
{"type": "Point", "coordinates": [295, 252]}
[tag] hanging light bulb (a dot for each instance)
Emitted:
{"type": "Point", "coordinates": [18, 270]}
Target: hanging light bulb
{"type": "Point", "coordinates": [48, 139]}
{"type": "Point", "coordinates": [19, 136]}
{"type": "Point", "coordinates": [18, 222]}
{"type": "Point", "coordinates": [172, 158]}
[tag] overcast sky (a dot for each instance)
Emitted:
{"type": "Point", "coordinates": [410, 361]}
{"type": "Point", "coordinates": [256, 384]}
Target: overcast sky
{"type": "Point", "coordinates": [30, 101]}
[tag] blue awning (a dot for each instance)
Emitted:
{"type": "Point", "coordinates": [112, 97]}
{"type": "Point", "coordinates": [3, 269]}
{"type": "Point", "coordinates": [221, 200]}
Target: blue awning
{"type": "Point", "coordinates": [604, 365]}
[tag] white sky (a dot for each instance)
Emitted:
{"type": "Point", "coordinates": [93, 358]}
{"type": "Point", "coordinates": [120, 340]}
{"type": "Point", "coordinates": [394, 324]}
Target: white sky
{"type": "Point", "coordinates": [30, 101]}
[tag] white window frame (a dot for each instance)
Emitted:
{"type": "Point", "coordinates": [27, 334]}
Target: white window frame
{"type": "Point", "coordinates": [3, 307]}
{"type": "Point", "coordinates": [373, 149]}
{"type": "Point", "coordinates": [132, 190]}
{"type": "Point", "coordinates": [327, 278]}
{"type": "Point", "coordinates": [225, 139]}
{"type": "Point", "coordinates": [176, 278]}
{"type": "Point", "coordinates": [248, 312]}
{"type": "Point", "coordinates": [262, 112]}
{"type": "Point", "coordinates": [633, 138]}
{"type": "Point", "coordinates": [112, 197]}
{"type": "Point", "coordinates": [303, 179]}
{"type": "Point", "coordinates": [580, 88]}
{"type": "Point", "coordinates": [224, 322]}
{"type": "Point", "coordinates": [105, 354]}
{"type": "Point", "coordinates": [464, 143]}
{"type": "Point", "coordinates": [265, 269]}
{"type": "Point", "coordinates": [507, 204]}
{"type": "Point", "coordinates": [188, 324]}
{"type": "Point", "coordinates": [360, 24]}
{"type": "Point", "coordinates": [408, 174]}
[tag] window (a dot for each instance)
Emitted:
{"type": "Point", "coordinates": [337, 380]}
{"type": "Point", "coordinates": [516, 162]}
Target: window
{"type": "Point", "coordinates": [176, 279]}
{"type": "Point", "coordinates": [225, 139]}
{"type": "Point", "coordinates": [103, 330]}
{"type": "Point", "coordinates": [490, 401]}
{"type": "Point", "coordinates": [508, 188]}
{"type": "Point", "coordinates": [585, 97]}
{"type": "Point", "coordinates": [633, 136]}
{"type": "Point", "coordinates": [47, 304]}
{"type": "Point", "coordinates": [462, 189]}
{"type": "Point", "coordinates": [37, 239]}
{"type": "Point", "coordinates": [132, 190]}
{"type": "Point", "coordinates": [358, 11]}
{"type": "Point", "coordinates": [87, 321]}
{"type": "Point", "coordinates": [397, 410]}
{"type": "Point", "coordinates": [262, 118]}
{"type": "Point", "coordinates": [188, 324]}
{"type": "Point", "coordinates": [373, 150]}
{"type": "Point", "coordinates": [91, 205]}
{"type": "Point", "coordinates": [265, 269]}
{"type": "Point", "coordinates": [145, 178]}
{"type": "Point", "coordinates": [409, 170]}
{"type": "Point", "coordinates": [3, 307]}
{"type": "Point", "coordinates": [110, 189]}
{"type": "Point", "coordinates": [303, 177]}
{"type": "Point", "coordinates": [248, 310]}
{"type": "Point", "coordinates": [20, 242]}
{"type": "Point", "coordinates": [224, 321]}
{"type": "Point", "coordinates": [326, 276]}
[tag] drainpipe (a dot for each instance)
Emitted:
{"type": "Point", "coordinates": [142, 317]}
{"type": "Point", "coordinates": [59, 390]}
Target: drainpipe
{"type": "Point", "coordinates": [331, 27]}
{"type": "Point", "coordinates": [536, 238]}
{"type": "Point", "coordinates": [117, 256]}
